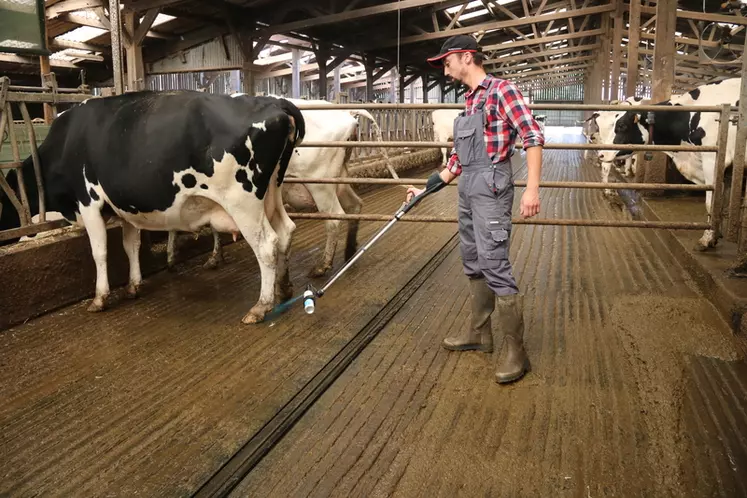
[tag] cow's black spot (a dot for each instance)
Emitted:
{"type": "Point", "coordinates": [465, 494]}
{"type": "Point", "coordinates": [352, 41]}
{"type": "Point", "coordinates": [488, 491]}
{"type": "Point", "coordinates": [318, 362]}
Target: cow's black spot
{"type": "Point", "coordinates": [695, 94]}
{"type": "Point", "coordinates": [203, 186]}
{"type": "Point", "coordinates": [252, 164]}
{"type": "Point", "coordinates": [737, 104]}
{"type": "Point", "coordinates": [695, 121]}
{"type": "Point", "coordinates": [638, 99]}
{"type": "Point", "coordinates": [189, 180]}
{"type": "Point", "coordinates": [243, 178]}
{"type": "Point", "coordinates": [93, 195]}
{"type": "Point", "coordinates": [696, 136]}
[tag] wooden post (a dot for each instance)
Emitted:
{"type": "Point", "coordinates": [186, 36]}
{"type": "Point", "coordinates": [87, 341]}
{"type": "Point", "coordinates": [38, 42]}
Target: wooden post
{"type": "Point", "coordinates": [134, 53]}
{"type": "Point", "coordinates": [401, 89]}
{"type": "Point", "coordinates": [45, 68]}
{"type": "Point", "coordinates": [605, 57]}
{"type": "Point", "coordinates": [738, 169]}
{"type": "Point", "coordinates": [369, 65]}
{"type": "Point", "coordinates": [618, 18]}
{"type": "Point", "coordinates": [322, 54]}
{"type": "Point", "coordinates": [337, 85]}
{"type": "Point", "coordinates": [116, 43]}
{"type": "Point", "coordinates": [425, 88]}
{"type": "Point", "coordinates": [663, 79]}
{"type": "Point", "coordinates": [296, 74]}
{"type": "Point", "coordinates": [634, 39]}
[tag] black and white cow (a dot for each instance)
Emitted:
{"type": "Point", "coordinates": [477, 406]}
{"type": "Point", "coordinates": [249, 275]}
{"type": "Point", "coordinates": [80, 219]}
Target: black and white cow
{"type": "Point", "coordinates": [173, 161]}
{"type": "Point", "coordinates": [683, 128]}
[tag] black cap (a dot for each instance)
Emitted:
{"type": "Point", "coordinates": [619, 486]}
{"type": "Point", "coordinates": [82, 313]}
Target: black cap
{"type": "Point", "coordinates": [455, 44]}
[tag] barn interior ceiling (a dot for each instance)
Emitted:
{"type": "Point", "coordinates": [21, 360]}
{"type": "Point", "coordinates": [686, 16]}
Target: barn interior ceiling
{"type": "Point", "coordinates": [534, 42]}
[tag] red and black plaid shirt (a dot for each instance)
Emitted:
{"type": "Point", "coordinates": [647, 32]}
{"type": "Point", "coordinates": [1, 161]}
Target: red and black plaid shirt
{"type": "Point", "coordinates": [507, 116]}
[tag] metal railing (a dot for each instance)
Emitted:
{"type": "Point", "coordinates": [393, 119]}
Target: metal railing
{"type": "Point", "coordinates": [20, 202]}
{"type": "Point", "coordinates": [715, 218]}
{"type": "Point", "coordinates": [406, 126]}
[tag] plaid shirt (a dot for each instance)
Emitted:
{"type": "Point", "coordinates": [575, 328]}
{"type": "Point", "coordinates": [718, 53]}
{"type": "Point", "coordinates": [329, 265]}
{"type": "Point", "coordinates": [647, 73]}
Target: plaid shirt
{"type": "Point", "coordinates": [507, 115]}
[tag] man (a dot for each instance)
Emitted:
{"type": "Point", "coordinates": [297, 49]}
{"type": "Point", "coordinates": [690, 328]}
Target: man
{"type": "Point", "coordinates": [484, 136]}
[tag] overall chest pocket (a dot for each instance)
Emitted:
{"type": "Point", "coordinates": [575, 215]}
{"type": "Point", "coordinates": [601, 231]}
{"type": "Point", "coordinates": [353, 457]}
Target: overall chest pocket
{"type": "Point", "coordinates": [467, 143]}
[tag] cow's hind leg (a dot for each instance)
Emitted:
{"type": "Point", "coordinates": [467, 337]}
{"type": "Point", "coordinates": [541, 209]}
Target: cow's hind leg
{"type": "Point", "coordinates": [96, 230]}
{"type": "Point", "coordinates": [325, 198]}
{"type": "Point", "coordinates": [284, 228]}
{"type": "Point", "coordinates": [352, 204]}
{"type": "Point", "coordinates": [708, 239]}
{"type": "Point", "coordinates": [171, 251]}
{"type": "Point", "coordinates": [216, 258]}
{"type": "Point", "coordinates": [250, 217]}
{"type": "Point", "coordinates": [131, 242]}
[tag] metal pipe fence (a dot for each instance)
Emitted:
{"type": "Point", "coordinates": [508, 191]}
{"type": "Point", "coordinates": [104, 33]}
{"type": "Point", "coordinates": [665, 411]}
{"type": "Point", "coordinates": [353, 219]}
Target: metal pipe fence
{"type": "Point", "coordinates": [403, 126]}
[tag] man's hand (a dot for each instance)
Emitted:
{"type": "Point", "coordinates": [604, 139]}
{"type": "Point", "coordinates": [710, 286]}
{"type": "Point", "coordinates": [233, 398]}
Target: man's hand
{"type": "Point", "coordinates": [412, 192]}
{"type": "Point", "coordinates": [530, 202]}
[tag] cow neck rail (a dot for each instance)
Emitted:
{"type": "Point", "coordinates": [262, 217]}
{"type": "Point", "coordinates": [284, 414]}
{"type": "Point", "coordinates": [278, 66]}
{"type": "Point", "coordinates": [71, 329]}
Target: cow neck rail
{"type": "Point", "coordinates": [672, 225]}
{"type": "Point", "coordinates": [552, 146]}
{"type": "Point", "coordinates": [517, 183]}
{"type": "Point", "coordinates": [543, 107]}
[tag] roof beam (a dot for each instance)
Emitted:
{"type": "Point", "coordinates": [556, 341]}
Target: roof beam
{"type": "Point", "coordinates": [70, 6]}
{"type": "Point", "coordinates": [59, 44]}
{"type": "Point", "coordinates": [35, 61]}
{"type": "Point", "coordinates": [346, 16]}
{"type": "Point", "coordinates": [701, 16]}
{"type": "Point", "coordinates": [511, 76]}
{"type": "Point", "coordinates": [553, 51]}
{"type": "Point", "coordinates": [494, 25]}
{"type": "Point", "coordinates": [542, 40]}
{"type": "Point", "coordinates": [562, 60]}
{"type": "Point", "coordinates": [143, 5]}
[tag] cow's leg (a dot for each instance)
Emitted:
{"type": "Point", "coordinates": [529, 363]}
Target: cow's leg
{"type": "Point", "coordinates": [250, 217]}
{"type": "Point", "coordinates": [708, 239]}
{"type": "Point", "coordinates": [96, 230]}
{"type": "Point", "coordinates": [284, 228]}
{"type": "Point", "coordinates": [171, 251]}
{"type": "Point", "coordinates": [216, 258]}
{"type": "Point", "coordinates": [131, 242]}
{"type": "Point", "coordinates": [606, 167]}
{"type": "Point", "coordinates": [352, 204]}
{"type": "Point", "coordinates": [325, 198]}
{"type": "Point", "coordinates": [629, 166]}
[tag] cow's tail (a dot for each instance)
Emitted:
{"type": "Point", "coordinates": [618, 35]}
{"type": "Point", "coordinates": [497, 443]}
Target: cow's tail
{"type": "Point", "coordinates": [377, 130]}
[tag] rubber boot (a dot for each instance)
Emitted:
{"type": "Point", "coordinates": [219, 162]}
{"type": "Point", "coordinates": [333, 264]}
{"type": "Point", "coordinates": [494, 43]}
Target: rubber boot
{"type": "Point", "coordinates": [479, 335]}
{"type": "Point", "coordinates": [513, 361]}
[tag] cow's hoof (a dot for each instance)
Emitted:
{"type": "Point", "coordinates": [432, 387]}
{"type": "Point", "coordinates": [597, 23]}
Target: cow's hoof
{"type": "Point", "coordinates": [98, 304]}
{"type": "Point", "coordinates": [319, 271]}
{"type": "Point", "coordinates": [255, 315]}
{"type": "Point", "coordinates": [171, 266]}
{"type": "Point", "coordinates": [212, 264]}
{"type": "Point", "coordinates": [133, 291]}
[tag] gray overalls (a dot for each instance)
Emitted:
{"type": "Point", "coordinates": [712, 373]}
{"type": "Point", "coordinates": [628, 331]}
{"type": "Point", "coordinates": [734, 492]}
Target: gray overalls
{"type": "Point", "coordinates": [486, 195]}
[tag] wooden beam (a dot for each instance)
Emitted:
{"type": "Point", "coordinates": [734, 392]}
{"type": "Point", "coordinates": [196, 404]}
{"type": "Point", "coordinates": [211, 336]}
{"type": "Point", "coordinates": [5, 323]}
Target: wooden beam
{"type": "Point", "coordinates": [544, 71]}
{"type": "Point", "coordinates": [188, 40]}
{"type": "Point", "coordinates": [70, 6]}
{"type": "Point", "coordinates": [145, 25]}
{"type": "Point", "coordinates": [34, 61]}
{"type": "Point", "coordinates": [701, 16]}
{"type": "Point", "coordinates": [346, 16]}
{"type": "Point", "coordinates": [492, 25]}
{"type": "Point", "coordinates": [143, 5]}
{"type": "Point", "coordinates": [617, 19]}
{"type": "Point", "coordinates": [543, 40]}
{"type": "Point", "coordinates": [634, 41]}
{"type": "Point", "coordinates": [59, 44]}
{"type": "Point", "coordinates": [663, 78]}
{"type": "Point", "coordinates": [605, 57]}
{"type": "Point", "coordinates": [562, 60]}
{"type": "Point", "coordinates": [553, 51]}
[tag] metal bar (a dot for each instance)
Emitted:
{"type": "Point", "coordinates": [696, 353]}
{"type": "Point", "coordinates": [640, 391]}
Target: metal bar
{"type": "Point", "coordinates": [674, 225]}
{"type": "Point", "coordinates": [545, 107]}
{"type": "Point", "coordinates": [36, 161]}
{"type": "Point", "coordinates": [717, 198]}
{"type": "Point", "coordinates": [32, 229]}
{"type": "Point", "coordinates": [49, 97]}
{"type": "Point", "coordinates": [560, 146]}
{"type": "Point", "coordinates": [25, 213]}
{"type": "Point", "coordinates": [18, 88]}
{"type": "Point", "coordinates": [518, 183]}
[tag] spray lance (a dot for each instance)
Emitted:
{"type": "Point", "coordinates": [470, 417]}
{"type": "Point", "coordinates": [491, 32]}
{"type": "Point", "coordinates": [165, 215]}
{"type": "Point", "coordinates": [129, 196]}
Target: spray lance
{"type": "Point", "coordinates": [310, 295]}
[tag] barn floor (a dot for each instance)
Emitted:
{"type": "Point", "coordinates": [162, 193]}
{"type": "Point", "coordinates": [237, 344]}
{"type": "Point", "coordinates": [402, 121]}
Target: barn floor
{"type": "Point", "coordinates": [638, 386]}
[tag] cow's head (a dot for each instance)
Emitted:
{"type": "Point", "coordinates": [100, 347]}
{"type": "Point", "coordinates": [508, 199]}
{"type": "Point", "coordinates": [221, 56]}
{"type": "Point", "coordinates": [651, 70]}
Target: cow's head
{"type": "Point", "coordinates": [629, 128]}
{"type": "Point", "coordinates": [590, 129]}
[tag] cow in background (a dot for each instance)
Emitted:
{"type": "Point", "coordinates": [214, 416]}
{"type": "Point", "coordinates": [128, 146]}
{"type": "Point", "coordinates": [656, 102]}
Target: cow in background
{"type": "Point", "coordinates": [684, 128]}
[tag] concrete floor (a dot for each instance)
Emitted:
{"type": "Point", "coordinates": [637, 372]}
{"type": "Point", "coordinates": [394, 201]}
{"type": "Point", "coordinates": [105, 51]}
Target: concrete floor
{"type": "Point", "coordinates": [638, 385]}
